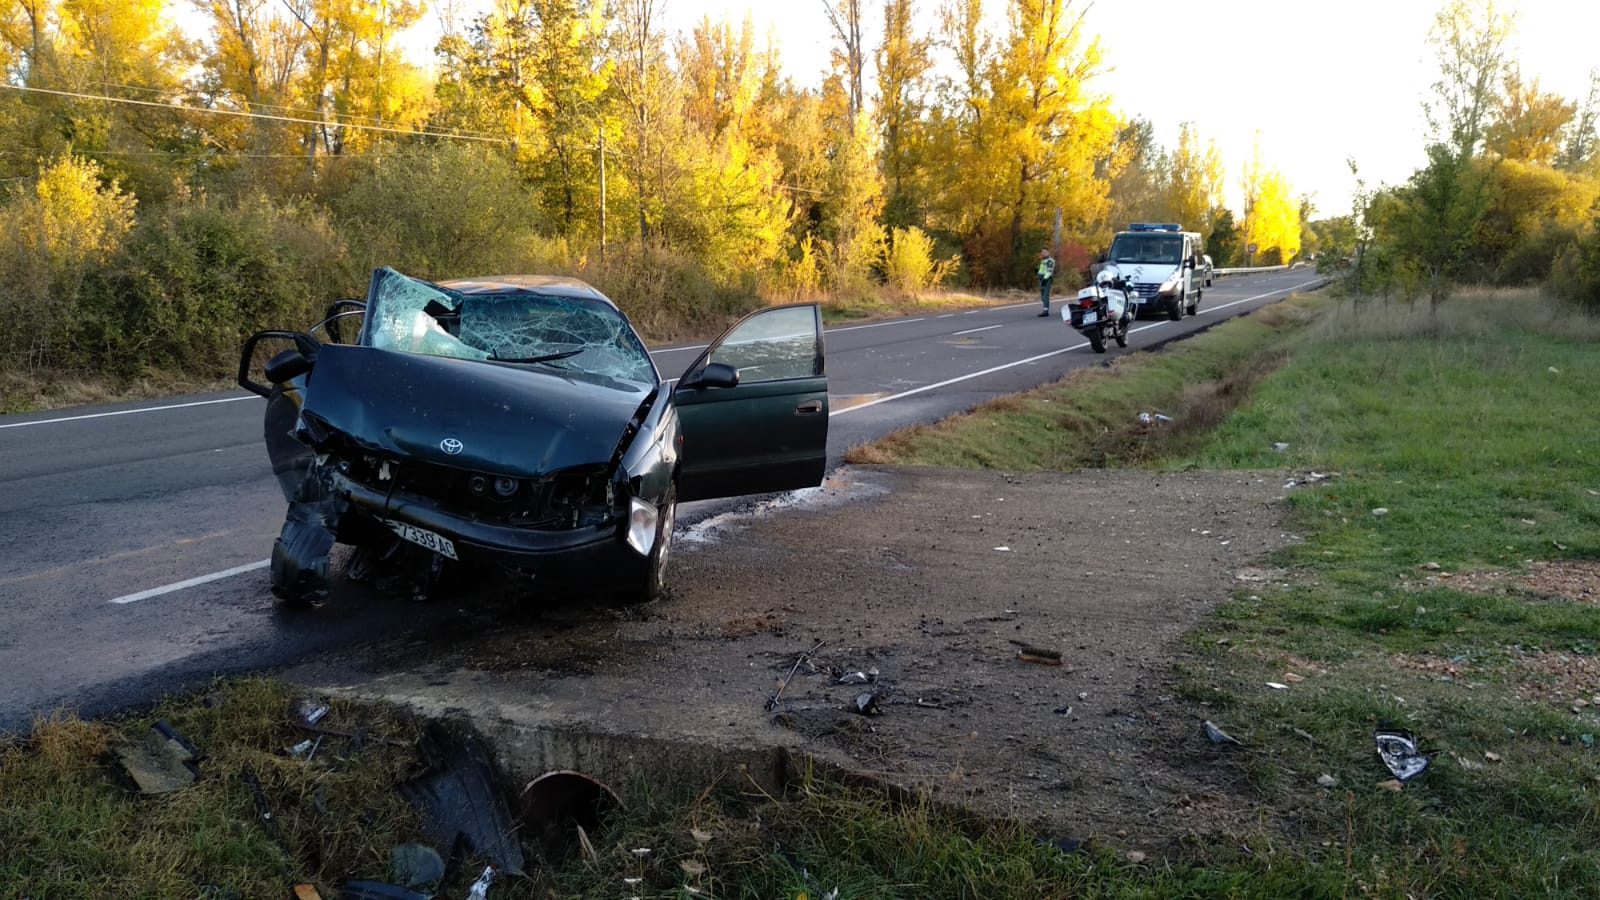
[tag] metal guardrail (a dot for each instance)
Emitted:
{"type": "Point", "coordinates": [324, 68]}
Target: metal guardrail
{"type": "Point", "coordinates": [1245, 270]}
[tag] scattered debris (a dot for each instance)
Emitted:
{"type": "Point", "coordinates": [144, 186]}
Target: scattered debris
{"type": "Point", "coordinates": [415, 865]}
{"type": "Point", "coordinates": [1327, 780]}
{"type": "Point", "coordinates": [1217, 735]}
{"type": "Point", "coordinates": [1277, 685]}
{"type": "Point", "coordinates": [1380, 512]}
{"type": "Point", "coordinates": [558, 806]}
{"type": "Point", "coordinates": [1135, 857]}
{"type": "Point", "coordinates": [1281, 447]}
{"type": "Point", "coordinates": [377, 890]}
{"type": "Point", "coordinates": [310, 712]}
{"type": "Point", "coordinates": [458, 797]}
{"type": "Point", "coordinates": [1292, 678]}
{"type": "Point", "coordinates": [867, 677]}
{"type": "Point", "coordinates": [1430, 566]}
{"type": "Point", "coordinates": [1399, 752]}
{"type": "Point", "coordinates": [772, 701]}
{"type": "Point", "coordinates": [866, 703]}
{"type": "Point", "coordinates": [162, 761]}
{"type": "Point", "coordinates": [263, 809]}
{"type": "Point", "coordinates": [1491, 756]}
{"type": "Point", "coordinates": [1003, 549]}
{"type": "Point", "coordinates": [1392, 785]}
{"type": "Point", "coordinates": [1030, 653]}
{"type": "Point", "coordinates": [1063, 710]}
{"type": "Point", "coordinates": [480, 888]}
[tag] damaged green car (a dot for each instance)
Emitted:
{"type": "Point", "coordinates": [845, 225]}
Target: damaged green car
{"type": "Point", "coordinates": [520, 423]}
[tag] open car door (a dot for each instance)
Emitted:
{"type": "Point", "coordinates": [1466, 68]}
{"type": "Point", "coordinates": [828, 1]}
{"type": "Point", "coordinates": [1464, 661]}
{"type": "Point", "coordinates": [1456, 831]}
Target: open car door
{"type": "Point", "coordinates": [753, 409]}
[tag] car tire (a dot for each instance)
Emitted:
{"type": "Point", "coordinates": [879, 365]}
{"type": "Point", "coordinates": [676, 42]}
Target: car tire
{"type": "Point", "coordinates": [653, 585]}
{"type": "Point", "coordinates": [1195, 306]}
{"type": "Point", "coordinates": [1097, 341]}
{"type": "Point", "coordinates": [1176, 312]}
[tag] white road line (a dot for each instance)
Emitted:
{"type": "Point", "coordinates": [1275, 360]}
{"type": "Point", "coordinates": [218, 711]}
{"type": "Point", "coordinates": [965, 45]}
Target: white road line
{"type": "Point", "coordinates": [189, 583]}
{"type": "Point", "coordinates": [1033, 359]}
{"type": "Point", "coordinates": [873, 325]}
{"type": "Point", "coordinates": [976, 330]}
{"type": "Point", "coordinates": [945, 316]}
{"type": "Point", "coordinates": [127, 412]}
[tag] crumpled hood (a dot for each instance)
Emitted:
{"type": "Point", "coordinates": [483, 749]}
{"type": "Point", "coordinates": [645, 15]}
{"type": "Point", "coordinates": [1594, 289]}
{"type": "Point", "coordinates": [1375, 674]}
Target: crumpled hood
{"type": "Point", "coordinates": [498, 419]}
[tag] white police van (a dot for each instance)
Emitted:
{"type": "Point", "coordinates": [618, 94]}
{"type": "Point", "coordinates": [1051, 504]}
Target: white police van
{"type": "Point", "coordinates": [1160, 264]}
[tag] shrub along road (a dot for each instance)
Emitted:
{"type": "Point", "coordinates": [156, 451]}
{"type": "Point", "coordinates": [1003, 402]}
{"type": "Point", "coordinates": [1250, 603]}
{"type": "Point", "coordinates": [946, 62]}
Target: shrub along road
{"type": "Point", "coordinates": [170, 507]}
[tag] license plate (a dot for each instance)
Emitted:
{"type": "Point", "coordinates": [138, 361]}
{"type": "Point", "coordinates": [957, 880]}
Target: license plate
{"type": "Point", "coordinates": [422, 537]}
{"type": "Point", "coordinates": [1090, 318]}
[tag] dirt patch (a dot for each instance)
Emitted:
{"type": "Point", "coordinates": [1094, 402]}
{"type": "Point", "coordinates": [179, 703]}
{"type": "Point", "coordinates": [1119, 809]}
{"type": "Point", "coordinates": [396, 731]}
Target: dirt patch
{"type": "Point", "coordinates": [933, 585]}
{"type": "Point", "coordinates": [1564, 680]}
{"type": "Point", "coordinates": [1577, 580]}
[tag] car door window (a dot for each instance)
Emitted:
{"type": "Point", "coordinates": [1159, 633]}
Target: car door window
{"type": "Point", "coordinates": [773, 346]}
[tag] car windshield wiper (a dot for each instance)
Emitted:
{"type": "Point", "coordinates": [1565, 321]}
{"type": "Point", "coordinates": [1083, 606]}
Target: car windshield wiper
{"type": "Point", "coordinates": [548, 357]}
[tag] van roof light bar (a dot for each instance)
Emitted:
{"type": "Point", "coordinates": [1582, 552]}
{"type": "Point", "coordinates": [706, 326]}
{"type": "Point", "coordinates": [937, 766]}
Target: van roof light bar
{"type": "Point", "coordinates": [1155, 226]}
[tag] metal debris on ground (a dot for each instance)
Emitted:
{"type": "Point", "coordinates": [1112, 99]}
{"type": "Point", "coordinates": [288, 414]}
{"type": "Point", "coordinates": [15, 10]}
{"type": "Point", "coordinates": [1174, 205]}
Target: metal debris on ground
{"type": "Point", "coordinates": [415, 865]}
{"type": "Point", "coordinates": [377, 890]}
{"type": "Point", "coordinates": [161, 761]}
{"type": "Point", "coordinates": [1030, 653]}
{"type": "Point", "coordinates": [1277, 685]}
{"type": "Point", "coordinates": [867, 677]}
{"type": "Point", "coordinates": [1217, 735]}
{"type": "Point", "coordinates": [1327, 780]}
{"type": "Point", "coordinates": [866, 703]}
{"type": "Point", "coordinates": [1400, 754]}
{"type": "Point", "coordinates": [772, 701]}
{"type": "Point", "coordinates": [458, 797]}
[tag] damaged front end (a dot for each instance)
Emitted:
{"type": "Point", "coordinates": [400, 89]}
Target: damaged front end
{"type": "Point", "coordinates": [503, 460]}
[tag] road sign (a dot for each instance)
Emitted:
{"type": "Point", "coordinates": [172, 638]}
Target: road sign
{"type": "Point", "coordinates": [1250, 249]}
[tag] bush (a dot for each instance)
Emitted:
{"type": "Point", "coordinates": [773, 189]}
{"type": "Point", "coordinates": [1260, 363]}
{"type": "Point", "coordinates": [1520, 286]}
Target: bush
{"type": "Point", "coordinates": [1576, 273]}
{"type": "Point", "coordinates": [58, 235]}
{"type": "Point", "coordinates": [666, 293]}
{"type": "Point", "coordinates": [908, 262]}
{"type": "Point", "coordinates": [437, 212]}
{"type": "Point", "coordinates": [198, 277]}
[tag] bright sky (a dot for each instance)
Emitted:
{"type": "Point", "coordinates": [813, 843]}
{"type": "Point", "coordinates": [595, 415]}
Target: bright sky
{"type": "Point", "coordinates": [1320, 81]}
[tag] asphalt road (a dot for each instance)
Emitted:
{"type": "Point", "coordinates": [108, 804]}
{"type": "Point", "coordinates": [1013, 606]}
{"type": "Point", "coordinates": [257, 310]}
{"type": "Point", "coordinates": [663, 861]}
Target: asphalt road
{"type": "Point", "coordinates": [133, 536]}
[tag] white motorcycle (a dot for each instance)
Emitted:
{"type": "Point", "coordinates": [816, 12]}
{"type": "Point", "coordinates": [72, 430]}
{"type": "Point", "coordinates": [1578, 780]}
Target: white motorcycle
{"type": "Point", "coordinates": [1101, 310]}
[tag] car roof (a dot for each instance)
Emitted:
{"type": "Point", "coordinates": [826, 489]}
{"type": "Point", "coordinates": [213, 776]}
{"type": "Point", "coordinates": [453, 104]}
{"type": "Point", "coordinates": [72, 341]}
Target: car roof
{"type": "Point", "coordinates": [554, 285]}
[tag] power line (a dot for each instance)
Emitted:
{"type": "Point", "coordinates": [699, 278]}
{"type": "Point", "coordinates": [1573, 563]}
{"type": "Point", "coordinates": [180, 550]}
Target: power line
{"type": "Point", "coordinates": [277, 106]}
{"type": "Point", "coordinates": [250, 115]}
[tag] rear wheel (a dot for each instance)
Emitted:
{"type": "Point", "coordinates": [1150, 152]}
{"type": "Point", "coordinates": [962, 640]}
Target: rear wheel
{"type": "Point", "coordinates": [1097, 340]}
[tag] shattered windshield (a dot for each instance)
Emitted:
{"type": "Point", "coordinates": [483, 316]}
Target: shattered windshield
{"type": "Point", "coordinates": [1163, 249]}
{"type": "Point", "coordinates": [573, 335]}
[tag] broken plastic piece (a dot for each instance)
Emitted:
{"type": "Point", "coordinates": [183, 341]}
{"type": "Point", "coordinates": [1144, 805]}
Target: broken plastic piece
{"type": "Point", "coordinates": [306, 892]}
{"type": "Point", "coordinates": [162, 761]}
{"type": "Point", "coordinates": [310, 712]}
{"type": "Point", "coordinates": [1399, 752]}
{"type": "Point", "coordinates": [858, 677]}
{"type": "Point", "coordinates": [480, 888]}
{"type": "Point", "coordinates": [867, 703]}
{"type": "Point", "coordinates": [1217, 735]}
{"type": "Point", "coordinates": [459, 797]}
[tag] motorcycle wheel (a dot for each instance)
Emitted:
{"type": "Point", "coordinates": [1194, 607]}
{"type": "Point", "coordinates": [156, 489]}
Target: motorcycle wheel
{"type": "Point", "coordinates": [1121, 334]}
{"type": "Point", "coordinates": [1097, 340]}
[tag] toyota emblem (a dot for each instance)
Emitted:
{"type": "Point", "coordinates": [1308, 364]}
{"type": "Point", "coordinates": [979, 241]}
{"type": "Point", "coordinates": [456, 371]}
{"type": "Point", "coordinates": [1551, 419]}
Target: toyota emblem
{"type": "Point", "coordinates": [450, 446]}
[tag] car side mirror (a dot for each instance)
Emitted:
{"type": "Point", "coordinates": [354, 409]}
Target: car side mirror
{"type": "Point", "coordinates": [715, 375]}
{"type": "Point", "coordinates": [286, 366]}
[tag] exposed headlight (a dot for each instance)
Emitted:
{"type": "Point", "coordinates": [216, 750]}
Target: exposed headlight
{"type": "Point", "coordinates": [641, 526]}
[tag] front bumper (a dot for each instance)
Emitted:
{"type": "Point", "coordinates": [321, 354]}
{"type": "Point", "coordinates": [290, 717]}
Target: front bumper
{"type": "Point", "coordinates": [598, 552]}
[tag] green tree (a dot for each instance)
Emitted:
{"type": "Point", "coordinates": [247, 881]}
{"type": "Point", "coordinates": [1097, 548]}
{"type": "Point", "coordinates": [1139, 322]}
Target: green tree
{"type": "Point", "coordinates": [904, 60]}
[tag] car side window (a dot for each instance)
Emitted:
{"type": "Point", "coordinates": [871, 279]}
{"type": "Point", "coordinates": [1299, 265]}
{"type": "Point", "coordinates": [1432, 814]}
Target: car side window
{"type": "Point", "coordinates": [773, 346]}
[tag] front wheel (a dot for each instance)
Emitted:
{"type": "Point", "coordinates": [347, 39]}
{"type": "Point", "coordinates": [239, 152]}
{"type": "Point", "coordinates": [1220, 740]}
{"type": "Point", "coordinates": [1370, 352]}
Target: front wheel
{"type": "Point", "coordinates": [654, 583]}
{"type": "Point", "coordinates": [1175, 313]}
{"type": "Point", "coordinates": [1121, 334]}
{"type": "Point", "coordinates": [1097, 340]}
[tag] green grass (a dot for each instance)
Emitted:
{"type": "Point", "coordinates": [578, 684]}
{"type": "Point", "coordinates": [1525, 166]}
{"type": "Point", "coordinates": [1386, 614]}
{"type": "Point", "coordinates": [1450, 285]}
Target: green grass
{"type": "Point", "coordinates": [1476, 427]}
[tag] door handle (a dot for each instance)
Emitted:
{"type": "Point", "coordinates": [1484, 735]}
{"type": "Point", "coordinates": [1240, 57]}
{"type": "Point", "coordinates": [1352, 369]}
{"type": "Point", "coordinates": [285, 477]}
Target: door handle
{"type": "Point", "coordinates": [808, 408]}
